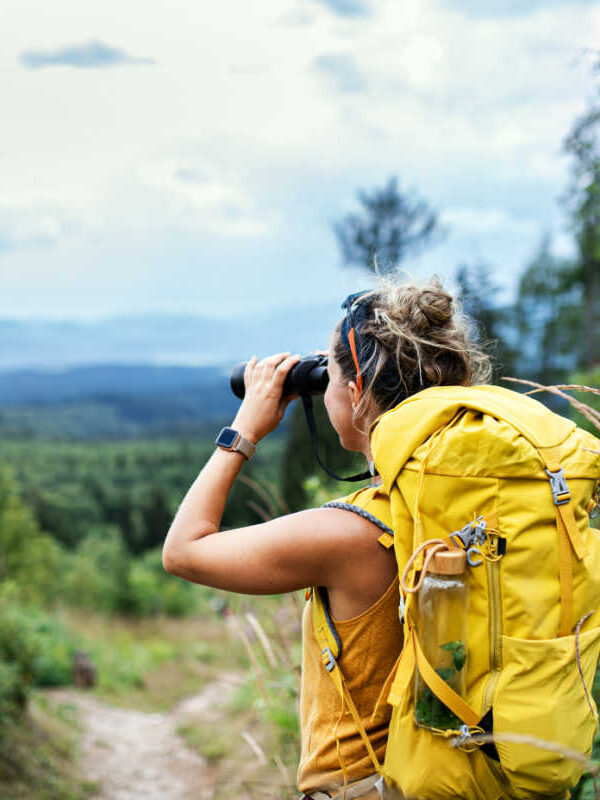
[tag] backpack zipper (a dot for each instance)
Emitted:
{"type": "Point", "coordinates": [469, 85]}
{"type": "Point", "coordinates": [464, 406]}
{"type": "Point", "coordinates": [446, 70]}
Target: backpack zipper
{"type": "Point", "coordinates": [492, 567]}
{"type": "Point", "coordinates": [483, 544]}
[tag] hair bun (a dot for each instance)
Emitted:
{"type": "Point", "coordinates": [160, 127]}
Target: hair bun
{"type": "Point", "coordinates": [435, 305]}
{"type": "Point", "coordinates": [416, 337]}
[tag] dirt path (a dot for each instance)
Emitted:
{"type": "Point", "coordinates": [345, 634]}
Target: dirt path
{"type": "Point", "coordinates": [135, 755]}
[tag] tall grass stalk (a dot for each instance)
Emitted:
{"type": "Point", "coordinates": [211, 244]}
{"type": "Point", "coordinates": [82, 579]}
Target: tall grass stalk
{"type": "Point", "coordinates": [561, 390]}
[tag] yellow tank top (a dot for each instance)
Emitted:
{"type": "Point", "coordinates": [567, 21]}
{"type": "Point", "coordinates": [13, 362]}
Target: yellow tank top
{"type": "Point", "coordinates": [371, 642]}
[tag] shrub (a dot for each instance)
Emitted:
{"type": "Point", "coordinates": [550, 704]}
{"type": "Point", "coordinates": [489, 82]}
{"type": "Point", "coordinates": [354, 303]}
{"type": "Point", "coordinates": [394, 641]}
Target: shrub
{"type": "Point", "coordinates": [35, 650]}
{"type": "Point", "coordinates": [96, 576]}
{"type": "Point", "coordinates": [36, 646]}
{"type": "Point", "coordinates": [16, 658]}
{"type": "Point", "coordinates": [153, 591]}
{"type": "Point", "coordinates": [28, 558]}
{"type": "Point", "coordinates": [54, 648]}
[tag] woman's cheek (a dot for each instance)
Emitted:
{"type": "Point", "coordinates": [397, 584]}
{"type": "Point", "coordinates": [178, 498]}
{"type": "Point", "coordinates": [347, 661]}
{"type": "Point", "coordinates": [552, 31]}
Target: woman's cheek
{"type": "Point", "coordinates": [331, 408]}
{"type": "Point", "coordinates": [327, 402]}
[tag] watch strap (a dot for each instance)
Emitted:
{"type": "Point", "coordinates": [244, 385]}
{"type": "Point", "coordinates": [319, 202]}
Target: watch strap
{"type": "Point", "coordinates": [245, 447]}
{"type": "Point", "coordinates": [239, 444]}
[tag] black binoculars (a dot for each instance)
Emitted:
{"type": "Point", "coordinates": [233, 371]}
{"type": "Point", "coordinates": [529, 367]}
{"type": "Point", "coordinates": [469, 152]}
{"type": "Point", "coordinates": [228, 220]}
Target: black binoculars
{"type": "Point", "coordinates": [307, 377]}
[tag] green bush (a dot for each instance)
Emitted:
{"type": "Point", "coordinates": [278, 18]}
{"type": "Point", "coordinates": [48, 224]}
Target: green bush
{"type": "Point", "coordinates": [36, 646]}
{"type": "Point", "coordinates": [35, 650]}
{"type": "Point", "coordinates": [28, 558]}
{"type": "Point", "coordinates": [13, 691]}
{"type": "Point", "coordinates": [55, 646]}
{"type": "Point", "coordinates": [16, 661]}
{"type": "Point", "coordinates": [96, 576]}
{"type": "Point", "coordinates": [153, 591]}
{"type": "Point", "coordinates": [102, 576]}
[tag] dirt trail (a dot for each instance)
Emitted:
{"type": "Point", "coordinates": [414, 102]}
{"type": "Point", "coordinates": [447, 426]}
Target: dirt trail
{"type": "Point", "coordinates": [135, 754]}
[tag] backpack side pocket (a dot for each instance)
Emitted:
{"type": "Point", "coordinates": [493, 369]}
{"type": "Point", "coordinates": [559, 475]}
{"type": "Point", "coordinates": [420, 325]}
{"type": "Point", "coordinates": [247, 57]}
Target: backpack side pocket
{"type": "Point", "coordinates": [540, 694]}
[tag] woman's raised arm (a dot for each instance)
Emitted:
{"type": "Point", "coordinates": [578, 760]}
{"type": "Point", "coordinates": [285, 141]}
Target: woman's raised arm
{"type": "Point", "coordinates": [317, 547]}
{"type": "Point", "coordinates": [322, 547]}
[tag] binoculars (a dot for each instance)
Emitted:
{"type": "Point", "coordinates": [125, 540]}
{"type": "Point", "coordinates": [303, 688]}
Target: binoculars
{"type": "Point", "coordinates": [309, 376]}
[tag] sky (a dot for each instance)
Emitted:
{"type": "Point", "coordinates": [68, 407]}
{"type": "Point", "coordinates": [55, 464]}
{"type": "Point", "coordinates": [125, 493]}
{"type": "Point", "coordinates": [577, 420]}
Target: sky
{"type": "Point", "coordinates": [192, 157]}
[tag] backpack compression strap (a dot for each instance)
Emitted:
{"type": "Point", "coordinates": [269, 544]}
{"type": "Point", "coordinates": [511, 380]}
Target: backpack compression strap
{"type": "Point", "coordinates": [412, 656]}
{"type": "Point", "coordinates": [329, 642]}
{"type": "Point", "coordinates": [569, 535]}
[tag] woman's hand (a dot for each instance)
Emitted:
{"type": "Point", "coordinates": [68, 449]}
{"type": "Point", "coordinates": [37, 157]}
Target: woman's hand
{"type": "Point", "coordinates": [263, 406]}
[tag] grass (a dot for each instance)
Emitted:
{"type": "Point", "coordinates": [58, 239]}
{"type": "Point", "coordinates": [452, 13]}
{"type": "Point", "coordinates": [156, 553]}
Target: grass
{"type": "Point", "coordinates": [248, 754]}
{"type": "Point", "coordinates": [38, 755]}
{"type": "Point", "coordinates": [212, 746]}
{"type": "Point", "coordinates": [252, 742]}
{"type": "Point", "coordinates": [152, 664]}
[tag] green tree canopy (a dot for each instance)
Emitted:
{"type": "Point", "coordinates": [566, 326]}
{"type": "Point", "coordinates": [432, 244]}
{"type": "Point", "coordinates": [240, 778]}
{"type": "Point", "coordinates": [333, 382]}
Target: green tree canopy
{"type": "Point", "coordinates": [583, 199]}
{"type": "Point", "coordinates": [548, 319]}
{"type": "Point", "coordinates": [391, 224]}
{"type": "Point", "coordinates": [479, 296]}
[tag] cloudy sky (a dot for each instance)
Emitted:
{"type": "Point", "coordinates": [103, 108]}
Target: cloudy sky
{"type": "Point", "coordinates": [191, 157]}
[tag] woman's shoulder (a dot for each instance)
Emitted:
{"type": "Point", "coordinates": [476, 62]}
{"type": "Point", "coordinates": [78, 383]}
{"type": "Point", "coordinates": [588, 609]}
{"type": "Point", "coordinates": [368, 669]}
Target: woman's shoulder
{"type": "Point", "coordinates": [370, 502]}
{"type": "Point", "coordinates": [362, 537]}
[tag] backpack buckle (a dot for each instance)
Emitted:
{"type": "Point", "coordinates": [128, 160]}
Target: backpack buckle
{"type": "Point", "coordinates": [465, 735]}
{"type": "Point", "coordinates": [558, 485]}
{"type": "Point", "coordinates": [473, 533]}
{"type": "Point", "coordinates": [328, 659]}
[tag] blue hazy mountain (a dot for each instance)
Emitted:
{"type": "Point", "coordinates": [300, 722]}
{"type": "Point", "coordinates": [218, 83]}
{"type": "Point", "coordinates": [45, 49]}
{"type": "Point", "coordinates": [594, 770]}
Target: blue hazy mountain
{"type": "Point", "coordinates": [114, 401]}
{"type": "Point", "coordinates": [138, 375]}
{"type": "Point", "coordinates": [174, 339]}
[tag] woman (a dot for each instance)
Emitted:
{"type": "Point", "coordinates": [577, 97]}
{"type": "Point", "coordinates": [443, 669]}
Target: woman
{"type": "Point", "coordinates": [391, 343]}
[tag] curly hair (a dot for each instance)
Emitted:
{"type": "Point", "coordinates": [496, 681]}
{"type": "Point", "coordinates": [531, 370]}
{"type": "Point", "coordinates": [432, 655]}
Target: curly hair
{"type": "Point", "coordinates": [412, 337]}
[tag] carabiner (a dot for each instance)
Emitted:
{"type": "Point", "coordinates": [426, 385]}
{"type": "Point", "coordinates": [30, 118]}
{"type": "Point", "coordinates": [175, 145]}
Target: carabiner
{"type": "Point", "coordinates": [471, 552]}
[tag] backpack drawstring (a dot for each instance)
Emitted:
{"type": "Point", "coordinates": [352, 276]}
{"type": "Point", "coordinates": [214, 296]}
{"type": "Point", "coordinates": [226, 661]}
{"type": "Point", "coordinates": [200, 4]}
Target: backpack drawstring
{"type": "Point", "coordinates": [432, 546]}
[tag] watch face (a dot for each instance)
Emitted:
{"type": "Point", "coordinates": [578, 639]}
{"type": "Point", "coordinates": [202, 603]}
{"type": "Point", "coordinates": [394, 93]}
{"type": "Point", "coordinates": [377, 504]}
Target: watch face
{"type": "Point", "coordinates": [227, 437]}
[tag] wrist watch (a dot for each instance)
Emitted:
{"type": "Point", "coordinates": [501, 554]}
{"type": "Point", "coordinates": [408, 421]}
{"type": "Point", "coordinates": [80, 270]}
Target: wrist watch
{"type": "Point", "coordinates": [230, 439]}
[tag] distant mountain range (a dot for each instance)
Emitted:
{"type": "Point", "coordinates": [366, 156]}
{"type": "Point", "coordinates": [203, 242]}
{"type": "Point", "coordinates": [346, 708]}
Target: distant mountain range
{"type": "Point", "coordinates": [159, 339]}
{"type": "Point", "coordinates": [139, 375]}
{"type": "Point", "coordinates": [114, 401]}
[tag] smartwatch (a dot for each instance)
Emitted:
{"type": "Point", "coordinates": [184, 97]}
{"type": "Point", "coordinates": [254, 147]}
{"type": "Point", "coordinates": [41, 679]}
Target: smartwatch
{"type": "Point", "coordinates": [230, 439]}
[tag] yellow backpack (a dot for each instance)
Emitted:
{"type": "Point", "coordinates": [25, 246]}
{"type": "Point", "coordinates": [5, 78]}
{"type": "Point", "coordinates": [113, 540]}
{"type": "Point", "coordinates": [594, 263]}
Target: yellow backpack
{"type": "Point", "coordinates": [513, 482]}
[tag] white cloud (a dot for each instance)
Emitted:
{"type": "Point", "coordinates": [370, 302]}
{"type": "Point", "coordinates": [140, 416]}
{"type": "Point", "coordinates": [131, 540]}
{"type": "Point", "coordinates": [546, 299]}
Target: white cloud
{"type": "Point", "coordinates": [421, 59]}
{"type": "Point", "coordinates": [34, 224]}
{"type": "Point", "coordinates": [341, 72]}
{"type": "Point", "coordinates": [85, 55]}
{"type": "Point", "coordinates": [474, 9]}
{"type": "Point", "coordinates": [233, 134]}
{"type": "Point", "coordinates": [563, 245]}
{"type": "Point", "coordinates": [483, 221]}
{"type": "Point", "coordinates": [198, 198]}
{"type": "Point", "coordinates": [347, 8]}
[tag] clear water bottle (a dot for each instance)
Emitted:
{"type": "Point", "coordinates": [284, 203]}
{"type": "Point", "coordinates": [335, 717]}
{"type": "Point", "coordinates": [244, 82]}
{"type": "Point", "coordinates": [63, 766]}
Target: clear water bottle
{"type": "Point", "coordinates": [442, 632]}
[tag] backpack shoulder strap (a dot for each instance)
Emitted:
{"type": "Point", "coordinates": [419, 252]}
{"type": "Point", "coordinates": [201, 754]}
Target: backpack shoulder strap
{"type": "Point", "coordinates": [330, 645]}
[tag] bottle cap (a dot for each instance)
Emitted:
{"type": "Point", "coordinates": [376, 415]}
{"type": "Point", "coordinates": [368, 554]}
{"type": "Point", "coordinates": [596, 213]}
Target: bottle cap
{"type": "Point", "coordinates": [449, 562]}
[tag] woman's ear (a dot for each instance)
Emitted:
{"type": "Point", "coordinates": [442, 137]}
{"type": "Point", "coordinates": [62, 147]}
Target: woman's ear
{"type": "Point", "coordinates": [354, 393]}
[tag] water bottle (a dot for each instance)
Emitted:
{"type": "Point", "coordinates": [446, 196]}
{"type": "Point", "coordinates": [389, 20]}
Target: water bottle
{"type": "Point", "coordinates": [442, 632]}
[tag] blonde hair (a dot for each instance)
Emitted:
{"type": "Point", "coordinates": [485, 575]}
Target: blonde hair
{"type": "Point", "coordinates": [414, 336]}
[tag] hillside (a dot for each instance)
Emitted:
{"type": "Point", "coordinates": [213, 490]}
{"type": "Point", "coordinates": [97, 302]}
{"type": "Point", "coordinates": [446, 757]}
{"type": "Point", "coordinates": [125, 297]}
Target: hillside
{"type": "Point", "coordinates": [114, 401]}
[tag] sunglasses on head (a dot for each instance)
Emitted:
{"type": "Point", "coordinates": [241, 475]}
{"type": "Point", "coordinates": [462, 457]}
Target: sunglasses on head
{"type": "Point", "coordinates": [356, 312]}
